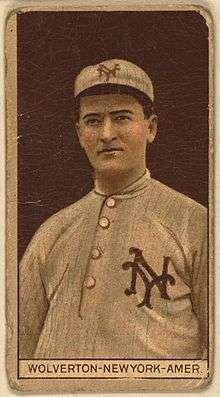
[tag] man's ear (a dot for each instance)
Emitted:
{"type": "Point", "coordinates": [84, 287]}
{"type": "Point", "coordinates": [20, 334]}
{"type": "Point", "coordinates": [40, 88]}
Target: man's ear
{"type": "Point", "coordinates": [77, 127]}
{"type": "Point", "coordinates": [152, 127]}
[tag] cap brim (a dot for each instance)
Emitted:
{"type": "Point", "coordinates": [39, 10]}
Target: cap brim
{"type": "Point", "coordinates": [102, 89]}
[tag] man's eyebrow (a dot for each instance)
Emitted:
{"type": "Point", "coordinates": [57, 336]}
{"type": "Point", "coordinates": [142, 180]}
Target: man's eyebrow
{"type": "Point", "coordinates": [91, 115]}
{"type": "Point", "coordinates": [115, 112]}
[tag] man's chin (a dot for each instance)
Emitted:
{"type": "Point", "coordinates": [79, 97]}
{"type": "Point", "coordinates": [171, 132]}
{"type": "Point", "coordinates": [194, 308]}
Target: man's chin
{"type": "Point", "coordinates": [111, 169]}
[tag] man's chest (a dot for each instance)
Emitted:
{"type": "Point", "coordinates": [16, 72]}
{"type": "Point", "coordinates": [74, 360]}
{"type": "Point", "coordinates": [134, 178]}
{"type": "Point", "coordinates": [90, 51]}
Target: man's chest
{"type": "Point", "coordinates": [120, 254]}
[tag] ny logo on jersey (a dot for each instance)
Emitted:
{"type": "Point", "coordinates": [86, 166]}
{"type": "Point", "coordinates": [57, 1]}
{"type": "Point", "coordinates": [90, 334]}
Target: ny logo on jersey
{"type": "Point", "coordinates": [104, 70]}
{"type": "Point", "coordinates": [160, 281]}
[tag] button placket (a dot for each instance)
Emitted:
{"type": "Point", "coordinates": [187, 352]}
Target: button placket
{"type": "Point", "coordinates": [104, 220]}
{"type": "Point", "coordinates": [96, 269]}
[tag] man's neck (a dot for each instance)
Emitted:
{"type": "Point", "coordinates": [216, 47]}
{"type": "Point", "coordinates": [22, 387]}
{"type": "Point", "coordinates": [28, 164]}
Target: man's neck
{"type": "Point", "coordinates": [115, 183]}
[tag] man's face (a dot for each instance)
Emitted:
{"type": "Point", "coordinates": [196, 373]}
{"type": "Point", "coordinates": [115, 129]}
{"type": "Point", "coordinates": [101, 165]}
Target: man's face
{"type": "Point", "coordinates": [114, 132]}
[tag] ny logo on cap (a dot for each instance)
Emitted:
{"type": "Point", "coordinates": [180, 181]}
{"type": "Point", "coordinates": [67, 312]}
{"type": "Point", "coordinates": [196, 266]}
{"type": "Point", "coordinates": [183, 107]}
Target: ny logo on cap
{"type": "Point", "coordinates": [104, 70]}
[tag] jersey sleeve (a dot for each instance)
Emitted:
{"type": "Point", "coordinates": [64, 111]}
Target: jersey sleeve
{"type": "Point", "coordinates": [199, 239]}
{"type": "Point", "coordinates": [33, 304]}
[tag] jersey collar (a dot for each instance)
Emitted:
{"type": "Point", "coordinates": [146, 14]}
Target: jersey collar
{"type": "Point", "coordinates": [132, 190]}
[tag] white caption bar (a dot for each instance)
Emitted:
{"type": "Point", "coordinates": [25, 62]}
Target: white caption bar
{"type": "Point", "coordinates": [112, 368]}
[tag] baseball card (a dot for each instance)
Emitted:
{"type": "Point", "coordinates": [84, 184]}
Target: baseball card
{"type": "Point", "coordinates": [109, 114]}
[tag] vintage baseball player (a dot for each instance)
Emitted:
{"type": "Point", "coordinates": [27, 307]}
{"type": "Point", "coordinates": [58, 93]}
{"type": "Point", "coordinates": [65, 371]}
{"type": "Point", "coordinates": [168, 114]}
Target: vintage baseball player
{"type": "Point", "coordinates": [122, 273]}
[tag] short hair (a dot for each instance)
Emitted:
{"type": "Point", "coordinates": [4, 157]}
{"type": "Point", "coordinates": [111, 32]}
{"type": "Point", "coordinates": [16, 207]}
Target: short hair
{"type": "Point", "coordinates": [102, 89]}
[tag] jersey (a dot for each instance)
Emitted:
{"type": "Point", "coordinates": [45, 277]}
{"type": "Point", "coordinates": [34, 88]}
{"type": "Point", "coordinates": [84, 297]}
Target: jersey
{"type": "Point", "coordinates": [120, 276]}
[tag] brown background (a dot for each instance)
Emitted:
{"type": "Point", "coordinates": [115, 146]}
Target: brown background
{"type": "Point", "coordinates": [52, 48]}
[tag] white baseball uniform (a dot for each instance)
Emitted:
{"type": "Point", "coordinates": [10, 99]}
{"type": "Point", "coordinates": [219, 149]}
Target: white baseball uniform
{"type": "Point", "coordinates": [122, 276]}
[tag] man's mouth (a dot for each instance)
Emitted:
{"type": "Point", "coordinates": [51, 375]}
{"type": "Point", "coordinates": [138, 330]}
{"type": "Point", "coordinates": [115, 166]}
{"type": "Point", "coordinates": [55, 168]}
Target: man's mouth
{"type": "Point", "coordinates": [110, 150]}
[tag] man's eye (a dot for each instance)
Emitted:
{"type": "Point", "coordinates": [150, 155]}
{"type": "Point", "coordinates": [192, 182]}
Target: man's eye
{"type": "Point", "coordinates": [122, 117]}
{"type": "Point", "coordinates": [93, 121]}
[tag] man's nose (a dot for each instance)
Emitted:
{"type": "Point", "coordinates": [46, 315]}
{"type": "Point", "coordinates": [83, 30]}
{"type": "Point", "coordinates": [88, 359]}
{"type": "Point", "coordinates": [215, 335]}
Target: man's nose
{"type": "Point", "coordinates": [108, 131]}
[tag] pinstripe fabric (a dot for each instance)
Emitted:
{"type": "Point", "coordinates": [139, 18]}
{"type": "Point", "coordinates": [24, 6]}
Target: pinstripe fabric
{"type": "Point", "coordinates": [60, 317]}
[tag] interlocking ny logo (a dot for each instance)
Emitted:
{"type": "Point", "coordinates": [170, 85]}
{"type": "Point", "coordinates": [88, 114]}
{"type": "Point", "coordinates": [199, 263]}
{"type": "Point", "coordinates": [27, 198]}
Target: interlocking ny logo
{"type": "Point", "coordinates": [160, 281]}
{"type": "Point", "coordinates": [104, 70]}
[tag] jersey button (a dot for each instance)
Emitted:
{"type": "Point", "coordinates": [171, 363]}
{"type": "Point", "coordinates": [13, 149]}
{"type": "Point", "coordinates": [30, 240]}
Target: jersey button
{"type": "Point", "coordinates": [110, 202]}
{"type": "Point", "coordinates": [104, 222]}
{"type": "Point", "coordinates": [96, 253]}
{"type": "Point", "coordinates": [89, 282]}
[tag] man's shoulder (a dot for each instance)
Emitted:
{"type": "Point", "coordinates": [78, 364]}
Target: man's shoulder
{"type": "Point", "coordinates": [71, 212]}
{"type": "Point", "coordinates": [60, 222]}
{"type": "Point", "coordinates": [171, 195]}
{"type": "Point", "coordinates": [173, 207]}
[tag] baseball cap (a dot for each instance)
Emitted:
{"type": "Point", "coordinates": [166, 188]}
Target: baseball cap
{"type": "Point", "coordinates": [114, 73]}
